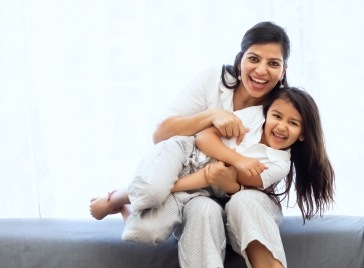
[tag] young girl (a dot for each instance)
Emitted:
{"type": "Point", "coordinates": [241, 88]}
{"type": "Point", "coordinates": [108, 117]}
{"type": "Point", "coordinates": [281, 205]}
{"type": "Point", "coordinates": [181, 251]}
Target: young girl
{"type": "Point", "coordinates": [283, 139]}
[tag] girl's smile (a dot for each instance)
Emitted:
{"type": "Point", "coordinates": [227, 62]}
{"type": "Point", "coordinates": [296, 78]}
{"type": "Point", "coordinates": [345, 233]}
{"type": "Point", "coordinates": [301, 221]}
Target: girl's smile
{"type": "Point", "coordinates": [283, 125]}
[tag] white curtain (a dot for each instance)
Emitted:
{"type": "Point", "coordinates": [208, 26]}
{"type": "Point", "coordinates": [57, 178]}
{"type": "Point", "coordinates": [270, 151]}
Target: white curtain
{"type": "Point", "coordinates": [82, 83]}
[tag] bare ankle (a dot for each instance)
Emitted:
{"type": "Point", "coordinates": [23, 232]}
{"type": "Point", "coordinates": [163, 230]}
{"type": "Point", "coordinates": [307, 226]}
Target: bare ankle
{"type": "Point", "coordinates": [117, 199]}
{"type": "Point", "coordinates": [125, 211]}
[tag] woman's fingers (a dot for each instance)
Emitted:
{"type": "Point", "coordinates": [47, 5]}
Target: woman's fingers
{"type": "Point", "coordinates": [229, 125]}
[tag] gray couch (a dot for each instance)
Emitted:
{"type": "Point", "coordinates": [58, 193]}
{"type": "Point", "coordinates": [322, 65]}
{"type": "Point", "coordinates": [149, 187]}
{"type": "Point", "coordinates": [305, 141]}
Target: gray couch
{"type": "Point", "coordinates": [328, 242]}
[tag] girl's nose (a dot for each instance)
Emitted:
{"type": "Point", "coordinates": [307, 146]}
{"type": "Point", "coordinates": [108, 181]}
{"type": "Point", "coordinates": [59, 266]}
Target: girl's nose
{"type": "Point", "coordinates": [282, 126]}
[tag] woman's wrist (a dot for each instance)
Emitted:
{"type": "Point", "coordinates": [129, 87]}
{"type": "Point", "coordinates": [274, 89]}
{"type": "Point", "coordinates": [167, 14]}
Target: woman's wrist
{"type": "Point", "coordinates": [209, 116]}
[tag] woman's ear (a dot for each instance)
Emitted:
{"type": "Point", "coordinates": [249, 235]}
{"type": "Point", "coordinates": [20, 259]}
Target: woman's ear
{"type": "Point", "coordinates": [301, 138]}
{"type": "Point", "coordinates": [284, 72]}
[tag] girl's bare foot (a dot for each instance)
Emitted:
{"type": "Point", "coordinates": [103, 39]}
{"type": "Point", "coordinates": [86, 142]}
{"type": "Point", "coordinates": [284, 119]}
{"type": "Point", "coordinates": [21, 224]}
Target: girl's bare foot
{"type": "Point", "coordinates": [110, 204]}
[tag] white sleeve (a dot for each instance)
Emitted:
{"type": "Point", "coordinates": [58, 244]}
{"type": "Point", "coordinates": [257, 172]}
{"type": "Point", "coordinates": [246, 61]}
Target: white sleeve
{"type": "Point", "coordinates": [276, 171]}
{"type": "Point", "coordinates": [195, 98]}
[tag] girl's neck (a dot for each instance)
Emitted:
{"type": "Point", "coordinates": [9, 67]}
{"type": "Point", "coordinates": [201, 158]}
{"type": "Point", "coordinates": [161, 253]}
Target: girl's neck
{"type": "Point", "coordinates": [242, 99]}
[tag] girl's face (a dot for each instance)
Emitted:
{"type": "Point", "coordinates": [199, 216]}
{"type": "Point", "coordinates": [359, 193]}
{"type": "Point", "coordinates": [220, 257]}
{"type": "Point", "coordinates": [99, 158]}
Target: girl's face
{"type": "Point", "coordinates": [261, 68]}
{"type": "Point", "coordinates": [283, 125]}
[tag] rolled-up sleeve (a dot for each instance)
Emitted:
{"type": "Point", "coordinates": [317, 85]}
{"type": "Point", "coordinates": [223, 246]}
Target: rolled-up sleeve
{"type": "Point", "coordinates": [278, 163]}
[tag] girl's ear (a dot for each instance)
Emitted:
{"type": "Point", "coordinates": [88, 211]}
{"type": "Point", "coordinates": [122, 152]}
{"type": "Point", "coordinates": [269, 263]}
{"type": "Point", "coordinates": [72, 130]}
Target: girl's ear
{"type": "Point", "coordinates": [301, 138]}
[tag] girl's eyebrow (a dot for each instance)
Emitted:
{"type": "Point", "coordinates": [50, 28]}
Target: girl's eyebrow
{"type": "Point", "coordinates": [256, 55]}
{"type": "Point", "coordinates": [294, 119]}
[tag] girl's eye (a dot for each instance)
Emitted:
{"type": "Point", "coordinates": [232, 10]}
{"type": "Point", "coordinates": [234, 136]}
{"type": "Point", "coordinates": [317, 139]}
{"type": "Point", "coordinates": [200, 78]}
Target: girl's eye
{"type": "Point", "coordinates": [276, 116]}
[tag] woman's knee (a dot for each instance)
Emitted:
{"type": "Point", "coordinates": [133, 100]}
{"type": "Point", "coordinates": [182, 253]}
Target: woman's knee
{"type": "Point", "coordinates": [246, 199]}
{"type": "Point", "coordinates": [253, 204]}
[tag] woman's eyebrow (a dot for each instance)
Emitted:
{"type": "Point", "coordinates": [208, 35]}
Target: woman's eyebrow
{"type": "Point", "coordinates": [256, 55]}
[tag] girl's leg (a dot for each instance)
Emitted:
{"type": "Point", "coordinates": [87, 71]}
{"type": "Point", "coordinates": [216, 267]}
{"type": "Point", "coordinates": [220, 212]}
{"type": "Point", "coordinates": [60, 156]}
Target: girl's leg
{"type": "Point", "coordinates": [153, 225]}
{"type": "Point", "coordinates": [154, 179]}
{"type": "Point", "coordinates": [158, 171]}
{"type": "Point", "coordinates": [252, 225]}
{"type": "Point", "coordinates": [111, 204]}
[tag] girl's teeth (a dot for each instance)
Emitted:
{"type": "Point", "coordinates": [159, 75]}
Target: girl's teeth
{"type": "Point", "coordinates": [279, 136]}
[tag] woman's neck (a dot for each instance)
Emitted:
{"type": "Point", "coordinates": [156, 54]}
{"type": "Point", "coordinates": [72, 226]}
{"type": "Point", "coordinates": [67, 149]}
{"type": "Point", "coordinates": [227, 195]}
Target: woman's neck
{"type": "Point", "coordinates": [242, 99]}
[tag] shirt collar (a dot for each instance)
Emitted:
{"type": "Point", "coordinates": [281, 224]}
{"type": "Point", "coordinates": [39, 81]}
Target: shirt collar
{"type": "Point", "coordinates": [227, 93]}
{"type": "Point", "coordinates": [278, 155]}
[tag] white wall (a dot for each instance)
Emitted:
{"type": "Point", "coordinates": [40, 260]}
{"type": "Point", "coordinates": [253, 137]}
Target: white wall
{"type": "Point", "coordinates": [82, 83]}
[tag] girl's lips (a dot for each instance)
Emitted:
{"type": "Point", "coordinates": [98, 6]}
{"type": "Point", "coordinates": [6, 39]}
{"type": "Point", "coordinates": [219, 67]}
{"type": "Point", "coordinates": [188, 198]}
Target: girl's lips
{"type": "Point", "coordinates": [278, 138]}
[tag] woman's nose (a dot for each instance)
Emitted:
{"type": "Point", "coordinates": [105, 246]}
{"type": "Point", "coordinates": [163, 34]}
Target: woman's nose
{"type": "Point", "coordinates": [261, 68]}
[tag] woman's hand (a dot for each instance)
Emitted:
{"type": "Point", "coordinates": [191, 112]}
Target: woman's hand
{"type": "Point", "coordinates": [228, 124]}
{"type": "Point", "coordinates": [222, 177]}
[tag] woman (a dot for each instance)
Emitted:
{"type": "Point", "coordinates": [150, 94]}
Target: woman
{"type": "Point", "coordinates": [258, 71]}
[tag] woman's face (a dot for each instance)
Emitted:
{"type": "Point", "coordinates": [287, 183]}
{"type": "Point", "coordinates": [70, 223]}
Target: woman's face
{"type": "Point", "coordinates": [283, 125]}
{"type": "Point", "coordinates": [261, 68]}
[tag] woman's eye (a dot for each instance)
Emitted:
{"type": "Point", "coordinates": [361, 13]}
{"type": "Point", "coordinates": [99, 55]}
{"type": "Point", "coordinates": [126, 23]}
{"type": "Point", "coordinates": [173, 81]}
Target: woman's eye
{"type": "Point", "coordinates": [275, 64]}
{"type": "Point", "coordinates": [254, 59]}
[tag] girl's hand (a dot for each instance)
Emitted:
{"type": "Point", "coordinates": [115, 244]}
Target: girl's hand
{"type": "Point", "coordinates": [229, 125]}
{"type": "Point", "coordinates": [222, 177]}
{"type": "Point", "coordinates": [249, 167]}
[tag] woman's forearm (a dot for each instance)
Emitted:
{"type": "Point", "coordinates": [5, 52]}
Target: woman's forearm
{"type": "Point", "coordinates": [182, 125]}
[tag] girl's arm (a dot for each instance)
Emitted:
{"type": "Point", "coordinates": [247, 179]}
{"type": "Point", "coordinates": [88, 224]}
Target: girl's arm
{"type": "Point", "coordinates": [191, 182]}
{"type": "Point", "coordinates": [249, 169]}
{"type": "Point", "coordinates": [197, 180]}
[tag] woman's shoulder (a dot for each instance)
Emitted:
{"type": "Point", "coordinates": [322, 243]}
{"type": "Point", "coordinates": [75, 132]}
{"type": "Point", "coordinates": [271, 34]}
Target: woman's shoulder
{"type": "Point", "coordinates": [207, 79]}
{"type": "Point", "coordinates": [211, 72]}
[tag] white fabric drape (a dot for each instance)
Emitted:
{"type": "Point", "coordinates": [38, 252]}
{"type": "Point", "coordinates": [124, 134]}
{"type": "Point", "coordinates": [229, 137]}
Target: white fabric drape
{"type": "Point", "coordinates": [82, 84]}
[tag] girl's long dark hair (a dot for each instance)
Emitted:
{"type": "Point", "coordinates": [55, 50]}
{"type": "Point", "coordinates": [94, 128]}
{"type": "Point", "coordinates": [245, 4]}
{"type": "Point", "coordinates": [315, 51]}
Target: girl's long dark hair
{"type": "Point", "coordinates": [311, 172]}
{"type": "Point", "coordinates": [261, 33]}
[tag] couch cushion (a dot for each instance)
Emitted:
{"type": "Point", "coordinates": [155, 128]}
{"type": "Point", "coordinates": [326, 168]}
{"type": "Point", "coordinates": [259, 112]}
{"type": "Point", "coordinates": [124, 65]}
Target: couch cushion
{"type": "Point", "coordinates": [329, 242]}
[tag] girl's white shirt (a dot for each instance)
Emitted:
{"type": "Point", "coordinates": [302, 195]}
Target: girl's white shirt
{"type": "Point", "coordinates": [277, 161]}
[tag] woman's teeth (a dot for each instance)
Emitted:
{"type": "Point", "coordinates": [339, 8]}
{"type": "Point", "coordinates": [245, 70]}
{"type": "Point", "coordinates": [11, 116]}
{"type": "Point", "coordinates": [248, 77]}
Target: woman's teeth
{"type": "Point", "coordinates": [259, 81]}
